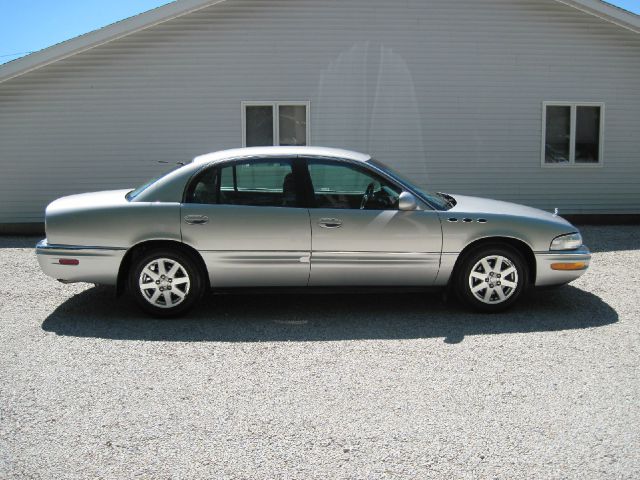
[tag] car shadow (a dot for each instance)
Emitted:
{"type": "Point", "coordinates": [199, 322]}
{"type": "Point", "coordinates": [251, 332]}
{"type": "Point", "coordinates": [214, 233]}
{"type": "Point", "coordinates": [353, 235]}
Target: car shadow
{"type": "Point", "coordinates": [27, 241]}
{"type": "Point", "coordinates": [316, 317]}
{"type": "Point", "coordinates": [611, 238]}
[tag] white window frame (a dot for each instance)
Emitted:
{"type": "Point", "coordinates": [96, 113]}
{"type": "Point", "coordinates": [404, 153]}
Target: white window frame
{"type": "Point", "coordinates": [572, 140]}
{"type": "Point", "coordinates": [275, 108]}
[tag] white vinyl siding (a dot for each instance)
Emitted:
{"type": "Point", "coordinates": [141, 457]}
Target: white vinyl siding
{"type": "Point", "coordinates": [572, 134]}
{"type": "Point", "coordinates": [449, 93]}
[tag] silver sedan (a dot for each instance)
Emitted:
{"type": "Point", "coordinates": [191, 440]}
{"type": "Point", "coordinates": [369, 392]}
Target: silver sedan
{"type": "Point", "coordinates": [302, 217]}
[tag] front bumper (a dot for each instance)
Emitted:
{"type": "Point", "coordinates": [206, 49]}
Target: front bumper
{"type": "Point", "coordinates": [95, 264]}
{"type": "Point", "coordinates": [547, 276]}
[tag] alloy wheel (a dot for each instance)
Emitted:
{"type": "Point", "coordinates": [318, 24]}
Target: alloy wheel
{"type": "Point", "coordinates": [493, 279]}
{"type": "Point", "coordinates": [164, 283]}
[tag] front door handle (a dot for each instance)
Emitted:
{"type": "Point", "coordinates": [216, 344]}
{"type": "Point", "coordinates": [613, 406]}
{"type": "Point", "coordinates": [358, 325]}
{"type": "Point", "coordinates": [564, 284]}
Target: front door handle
{"type": "Point", "coordinates": [330, 222]}
{"type": "Point", "coordinates": [196, 219]}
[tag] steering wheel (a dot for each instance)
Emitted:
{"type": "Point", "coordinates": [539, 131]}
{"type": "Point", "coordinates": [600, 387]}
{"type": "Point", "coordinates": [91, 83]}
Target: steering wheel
{"type": "Point", "coordinates": [368, 193]}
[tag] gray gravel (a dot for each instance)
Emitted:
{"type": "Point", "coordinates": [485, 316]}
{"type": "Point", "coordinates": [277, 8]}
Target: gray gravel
{"type": "Point", "coordinates": [311, 386]}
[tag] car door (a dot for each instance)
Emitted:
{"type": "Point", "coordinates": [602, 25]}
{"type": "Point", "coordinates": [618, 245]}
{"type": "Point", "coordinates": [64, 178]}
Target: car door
{"type": "Point", "coordinates": [359, 237]}
{"type": "Point", "coordinates": [245, 220]}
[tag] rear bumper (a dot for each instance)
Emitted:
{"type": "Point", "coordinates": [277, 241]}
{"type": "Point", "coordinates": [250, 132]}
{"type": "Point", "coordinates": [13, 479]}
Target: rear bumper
{"type": "Point", "coordinates": [95, 264]}
{"type": "Point", "coordinates": [547, 276]}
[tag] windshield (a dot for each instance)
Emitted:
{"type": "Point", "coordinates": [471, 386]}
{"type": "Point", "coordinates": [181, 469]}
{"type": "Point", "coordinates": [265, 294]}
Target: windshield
{"type": "Point", "coordinates": [134, 193]}
{"type": "Point", "coordinates": [438, 200]}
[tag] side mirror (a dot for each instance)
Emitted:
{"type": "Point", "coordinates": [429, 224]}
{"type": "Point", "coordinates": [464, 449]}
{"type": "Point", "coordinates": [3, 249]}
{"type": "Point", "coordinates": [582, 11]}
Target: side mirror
{"type": "Point", "coordinates": [407, 202]}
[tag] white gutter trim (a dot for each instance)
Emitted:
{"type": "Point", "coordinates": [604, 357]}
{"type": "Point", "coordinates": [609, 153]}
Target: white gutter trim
{"type": "Point", "coordinates": [606, 12]}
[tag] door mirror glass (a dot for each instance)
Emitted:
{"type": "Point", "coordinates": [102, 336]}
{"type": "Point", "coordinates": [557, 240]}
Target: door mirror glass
{"type": "Point", "coordinates": [407, 202]}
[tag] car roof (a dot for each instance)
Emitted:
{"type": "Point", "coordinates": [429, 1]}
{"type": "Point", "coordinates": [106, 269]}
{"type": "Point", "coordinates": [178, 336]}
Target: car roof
{"type": "Point", "coordinates": [279, 152]}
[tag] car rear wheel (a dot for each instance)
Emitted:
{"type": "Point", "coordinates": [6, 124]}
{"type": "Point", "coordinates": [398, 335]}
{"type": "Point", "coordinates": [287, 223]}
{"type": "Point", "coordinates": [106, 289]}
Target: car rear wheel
{"type": "Point", "coordinates": [166, 283]}
{"type": "Point", "coordinates": [492, 278]}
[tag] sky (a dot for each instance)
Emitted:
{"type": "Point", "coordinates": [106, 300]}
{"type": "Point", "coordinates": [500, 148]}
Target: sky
{"type": "Point", "coordinates": [30, 25]}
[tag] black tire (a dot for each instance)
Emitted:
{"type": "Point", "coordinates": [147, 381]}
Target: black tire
{"type": "Point", "coordinates": [184, 289]}
{"type": "Point", "coordinates": [495, 284]}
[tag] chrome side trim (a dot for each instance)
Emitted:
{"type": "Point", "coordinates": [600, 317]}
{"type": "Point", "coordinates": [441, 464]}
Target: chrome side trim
{"type": "Point", "coordinates": [563, 253]}
{"type": "Point", "coordinates": [372, 257]}
{"type": "Point", "coordinates": [42, 246]}
{"type": "Point", "coordinates": [260, 258]}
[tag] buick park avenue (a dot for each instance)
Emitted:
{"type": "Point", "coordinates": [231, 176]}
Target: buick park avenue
{"type": "Point", "coordinates": [302, 217]}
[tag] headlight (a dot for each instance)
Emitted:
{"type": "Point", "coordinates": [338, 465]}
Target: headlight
{"type": "Point", "coordinates": [570, 241]}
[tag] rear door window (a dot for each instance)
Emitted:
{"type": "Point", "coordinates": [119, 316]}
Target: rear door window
{"type": "Point", "coordinates": [259, 183]}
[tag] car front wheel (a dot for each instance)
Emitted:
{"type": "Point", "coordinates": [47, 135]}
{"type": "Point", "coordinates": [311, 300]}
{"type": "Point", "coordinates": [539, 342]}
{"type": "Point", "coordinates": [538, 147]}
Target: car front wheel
{"type": "Point", "coordinates": [166, 283]}
{"type": "Point", "coordinates": [492, 278]}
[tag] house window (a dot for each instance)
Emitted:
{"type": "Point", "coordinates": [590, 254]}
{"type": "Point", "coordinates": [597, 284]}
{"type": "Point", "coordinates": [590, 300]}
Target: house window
{"type": "Point", "coordinates": [572, 133]}
{"type": "Point", "coordinates": [275, 123]}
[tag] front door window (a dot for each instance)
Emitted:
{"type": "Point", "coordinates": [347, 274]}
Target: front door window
{"type": "Point", "coordinates": [346, 186]}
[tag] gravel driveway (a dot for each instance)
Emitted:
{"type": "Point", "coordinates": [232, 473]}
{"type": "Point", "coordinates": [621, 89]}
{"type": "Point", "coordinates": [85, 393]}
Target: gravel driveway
{"type": "Point", "coordinates": [312, 386]}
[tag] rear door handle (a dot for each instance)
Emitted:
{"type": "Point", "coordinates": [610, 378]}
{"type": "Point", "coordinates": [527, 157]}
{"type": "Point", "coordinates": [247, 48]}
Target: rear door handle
{"type": "Point", "coordinates": [330, 223]}
{"type": "Point", "coordinates": [196, 219]}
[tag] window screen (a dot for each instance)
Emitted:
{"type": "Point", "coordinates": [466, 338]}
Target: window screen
{"type": "Point", "coordinates": [292, 124]}
{"type": "Point", "coordinates": [557, 146]}
{"type": "Point", "coordinates": [259, 125]}
{"type": "Point", "coordinates": [588, 135]}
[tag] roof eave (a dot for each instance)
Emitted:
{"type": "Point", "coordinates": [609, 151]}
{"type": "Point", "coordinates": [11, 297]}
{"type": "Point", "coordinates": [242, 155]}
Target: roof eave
{"type": "Point", "coordinates": [101, 36]}
{"type": "Point", "coordinates": [607, 12]}
{"type": "Point", "coordinates": [179, 8]}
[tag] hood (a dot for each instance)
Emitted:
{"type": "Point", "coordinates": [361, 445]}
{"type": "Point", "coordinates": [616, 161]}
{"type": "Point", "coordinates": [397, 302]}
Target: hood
{"type": "Point", "coordinates": [465, 204]}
